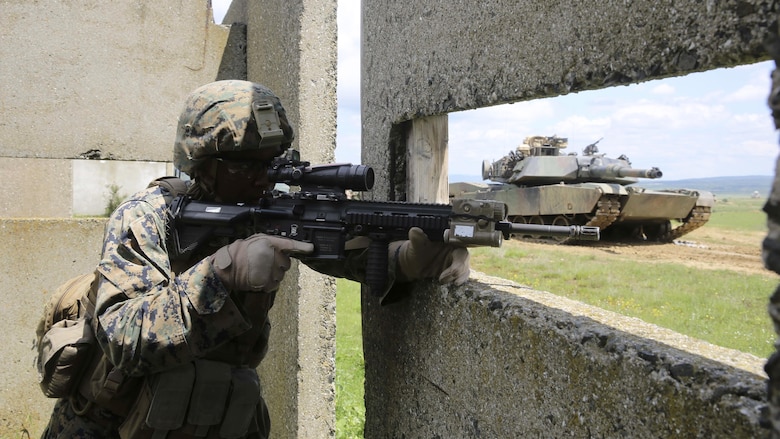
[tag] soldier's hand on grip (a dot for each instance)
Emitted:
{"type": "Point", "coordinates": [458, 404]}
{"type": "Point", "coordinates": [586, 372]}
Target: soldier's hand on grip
{"type": "Point", "coordinates": [420, 258]}
{"type": "Point", "coordinates": [257, 263]}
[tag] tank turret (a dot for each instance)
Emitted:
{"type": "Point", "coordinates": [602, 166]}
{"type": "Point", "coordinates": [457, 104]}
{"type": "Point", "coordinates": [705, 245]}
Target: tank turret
{"type": "Point", "coordinates": [541, 184]}
{"type": "Point", "coordinates": [539, 161]}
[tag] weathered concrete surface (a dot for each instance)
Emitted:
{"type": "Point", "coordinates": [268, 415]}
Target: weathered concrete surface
{"type": "Point", "coordinates": [93, 180]}
{"type": "Point", "coordinates": [498, 360]}
{"type": "Point", "coordinates": [513, 368]}
{"type": "Point", "coordinates": [108, 76]}
{"type": "Point", "coordinates": [44, 188]}
{"type": "Point", "coordinates": [38, 255]}
{"type": "Point", "coordinates": [22, 178]}
{"type": "Point", "coordinates": [291, 48]}
{"type": "Point", "coordinates": [80, 76]}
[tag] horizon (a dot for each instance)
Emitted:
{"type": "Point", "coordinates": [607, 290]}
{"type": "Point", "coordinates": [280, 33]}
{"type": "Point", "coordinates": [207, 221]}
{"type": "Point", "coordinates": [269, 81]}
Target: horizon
{"type": "Point", "coordinates": [662, 178]}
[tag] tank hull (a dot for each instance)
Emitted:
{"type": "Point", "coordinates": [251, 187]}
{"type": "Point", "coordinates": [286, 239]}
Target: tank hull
{"type": "Point", "coordinates": [621, 212]}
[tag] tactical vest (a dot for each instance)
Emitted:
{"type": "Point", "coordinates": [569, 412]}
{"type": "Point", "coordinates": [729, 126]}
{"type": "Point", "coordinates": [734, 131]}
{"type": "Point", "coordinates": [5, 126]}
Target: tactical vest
{"type": "Point", "coordinates": [218, 396]}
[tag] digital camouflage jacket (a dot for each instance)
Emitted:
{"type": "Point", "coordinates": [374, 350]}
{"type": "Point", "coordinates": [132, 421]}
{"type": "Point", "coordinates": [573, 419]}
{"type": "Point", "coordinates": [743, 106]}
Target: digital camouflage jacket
{"type": "Point", "coordinates": [153, 315]}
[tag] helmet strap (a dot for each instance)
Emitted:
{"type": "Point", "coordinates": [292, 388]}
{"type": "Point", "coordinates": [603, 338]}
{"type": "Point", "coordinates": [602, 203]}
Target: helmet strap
{"type": "Point", "coordinates": [205, 182]}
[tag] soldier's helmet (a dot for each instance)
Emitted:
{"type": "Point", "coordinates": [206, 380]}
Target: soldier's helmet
{"type": "Point", "coordinates": [229, 116]}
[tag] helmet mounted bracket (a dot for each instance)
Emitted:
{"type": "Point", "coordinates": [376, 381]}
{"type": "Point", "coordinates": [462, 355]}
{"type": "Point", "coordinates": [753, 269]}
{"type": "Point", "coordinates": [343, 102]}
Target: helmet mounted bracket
{"type": "Point", "coordinates": [268, 125]}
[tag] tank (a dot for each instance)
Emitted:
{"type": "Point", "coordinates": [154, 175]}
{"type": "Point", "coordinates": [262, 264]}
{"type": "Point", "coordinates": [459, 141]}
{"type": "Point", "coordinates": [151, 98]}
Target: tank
{"type": "Point", "coordinates": [541, 184]}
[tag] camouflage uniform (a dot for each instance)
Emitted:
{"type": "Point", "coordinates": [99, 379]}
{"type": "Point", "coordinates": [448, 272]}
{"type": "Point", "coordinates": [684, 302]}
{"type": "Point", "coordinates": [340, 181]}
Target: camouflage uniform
{"type": "Point", "coordinates": [175, 341]}
{"type": "Point", "coordinates": [153, 316]}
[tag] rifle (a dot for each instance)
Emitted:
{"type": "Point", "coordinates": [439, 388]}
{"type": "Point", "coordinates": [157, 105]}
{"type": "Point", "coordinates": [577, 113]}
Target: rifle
{"type": "Point", "coordinates": [321, 213]}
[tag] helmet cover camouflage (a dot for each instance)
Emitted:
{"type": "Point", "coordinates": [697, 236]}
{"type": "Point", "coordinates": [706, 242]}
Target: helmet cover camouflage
{"type": "Point", "coordinates": [216, 119]}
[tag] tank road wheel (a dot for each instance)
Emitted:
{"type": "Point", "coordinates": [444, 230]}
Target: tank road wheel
{"type": "Point", "coordinates": [560, 220]}
{"type": "Point", "coordinates": [517, 219]}
{"type": "Point", "coordinates": [660, 232]}
{"type": "Point", "coordinates": [536, 219]}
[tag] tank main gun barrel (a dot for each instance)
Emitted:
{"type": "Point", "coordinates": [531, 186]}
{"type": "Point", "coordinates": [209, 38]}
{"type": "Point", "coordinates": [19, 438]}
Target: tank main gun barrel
{"type": "Point", "coordinates": [618, 171]}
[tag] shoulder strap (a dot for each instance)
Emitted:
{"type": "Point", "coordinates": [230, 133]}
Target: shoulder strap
{"type": "Point", "coordinates": [173, 187]}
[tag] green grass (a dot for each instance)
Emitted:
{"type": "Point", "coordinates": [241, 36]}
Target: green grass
{"type": "Point", "coordinates": [350, 408]}
{"type": "Point", "coordinates": [716, 306]}
{"type": "Point", "coordinates": [738, 214]}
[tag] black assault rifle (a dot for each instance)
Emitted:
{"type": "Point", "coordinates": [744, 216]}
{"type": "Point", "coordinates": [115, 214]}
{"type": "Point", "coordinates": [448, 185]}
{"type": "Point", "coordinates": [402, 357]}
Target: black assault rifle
{"type": "Point", "coordinates": [321, 213]}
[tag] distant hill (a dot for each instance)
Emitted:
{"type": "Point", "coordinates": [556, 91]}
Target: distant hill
{"type": "Point", "coordinates": [744, 185]}
{"type": "Point", "coordinates": [466, 179]}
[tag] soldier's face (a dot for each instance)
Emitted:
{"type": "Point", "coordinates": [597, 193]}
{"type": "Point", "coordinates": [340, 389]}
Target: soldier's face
{"type": "Point", "coordinates": [241, 177]}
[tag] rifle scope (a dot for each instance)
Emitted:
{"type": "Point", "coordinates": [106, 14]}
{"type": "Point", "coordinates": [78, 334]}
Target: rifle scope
{"type": "Point", "coordinates": [344, 176]}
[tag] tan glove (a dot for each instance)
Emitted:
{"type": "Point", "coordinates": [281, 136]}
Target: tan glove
{"type": "Point", "coordinates": [257, 263]}
{"type": "Point", "coordinates": [420, 258]}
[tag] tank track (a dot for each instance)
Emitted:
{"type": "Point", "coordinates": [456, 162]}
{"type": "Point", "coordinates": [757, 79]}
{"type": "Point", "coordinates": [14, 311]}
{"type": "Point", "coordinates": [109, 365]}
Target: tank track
{"type": "Point", "coordinates": [697, 218]}
{"type": "Point", "coordinates": [607, 212]}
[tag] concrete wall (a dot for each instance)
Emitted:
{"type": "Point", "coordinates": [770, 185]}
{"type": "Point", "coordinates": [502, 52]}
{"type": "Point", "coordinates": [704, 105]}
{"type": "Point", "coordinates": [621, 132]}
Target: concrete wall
{"type": "Point", "coordinates": [21, 179]}
{"type": "Point", "coordinates": [38, 255]}
{"type": "Point", "coordinates": [300, 66]}
{"type": "Point", "coordinates": [94, 181]}
{"type": "Point", "coordinates": [476, 362]}
{"type": "Point", "coordinates": [80, 83]}
{"type": "Point", "coordinates": [51, 188]}
{"type": "Point", "coordinates": [497, 360]}
{"type": "Point", "coordinates": [82, 75]}
{"type": "Point", "coordinates": [107, 81]}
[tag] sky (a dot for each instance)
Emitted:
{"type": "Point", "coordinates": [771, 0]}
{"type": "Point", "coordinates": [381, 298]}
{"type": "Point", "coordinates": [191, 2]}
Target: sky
{"type": "Point", "coordinates": [709, 124]}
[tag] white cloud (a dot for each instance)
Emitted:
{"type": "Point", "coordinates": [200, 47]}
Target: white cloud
{"type": "Point", "coordinates": [348, 133]}
{"type": "Point", "coordinates": [676, 115]}
{"type": "Point", "coordinates": [583, 127]}
{"type": "Point", "coordinates": [750, 92]}
{"type": "Point", "coordinates": [663, 89]}
{"type": "Point", "coordinates": [489, 133]}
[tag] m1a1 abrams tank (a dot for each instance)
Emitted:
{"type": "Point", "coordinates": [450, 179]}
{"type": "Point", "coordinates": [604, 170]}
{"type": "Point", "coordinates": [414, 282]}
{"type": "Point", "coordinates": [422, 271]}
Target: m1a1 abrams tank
{"type": "Point", "coordinates": [541, 185]}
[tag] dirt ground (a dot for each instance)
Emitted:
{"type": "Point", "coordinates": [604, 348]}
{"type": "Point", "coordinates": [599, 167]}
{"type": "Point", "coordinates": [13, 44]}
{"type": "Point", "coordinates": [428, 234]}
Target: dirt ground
{"type": "Point", "coordinates": [704, 248]}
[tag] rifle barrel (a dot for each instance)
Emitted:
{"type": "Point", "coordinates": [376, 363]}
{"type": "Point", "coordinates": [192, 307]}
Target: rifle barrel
{"type": "Point", "coordinates": [583, 233]}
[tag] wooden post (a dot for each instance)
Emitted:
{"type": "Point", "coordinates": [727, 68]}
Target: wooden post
{"type": "Point", "coordinates": [426, 160]}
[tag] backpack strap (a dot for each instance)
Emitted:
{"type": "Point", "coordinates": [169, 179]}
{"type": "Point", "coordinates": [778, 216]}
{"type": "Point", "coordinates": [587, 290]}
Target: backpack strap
{"type": "Point", "coordinates": [172, 187]}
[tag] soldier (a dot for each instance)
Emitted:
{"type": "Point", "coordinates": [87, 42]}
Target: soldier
{"type": "Point", "coordinates": [179, 341]}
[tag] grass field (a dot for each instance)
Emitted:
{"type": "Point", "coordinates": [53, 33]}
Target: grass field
{"type": "Point", "coordinates": [738, 214]}
{"type": "Point", "coordinates": [716, 306]}
{"type": "Point", "coordinates": [350, 410]}
{"type": "Point", "coordinates": [723, 307]}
